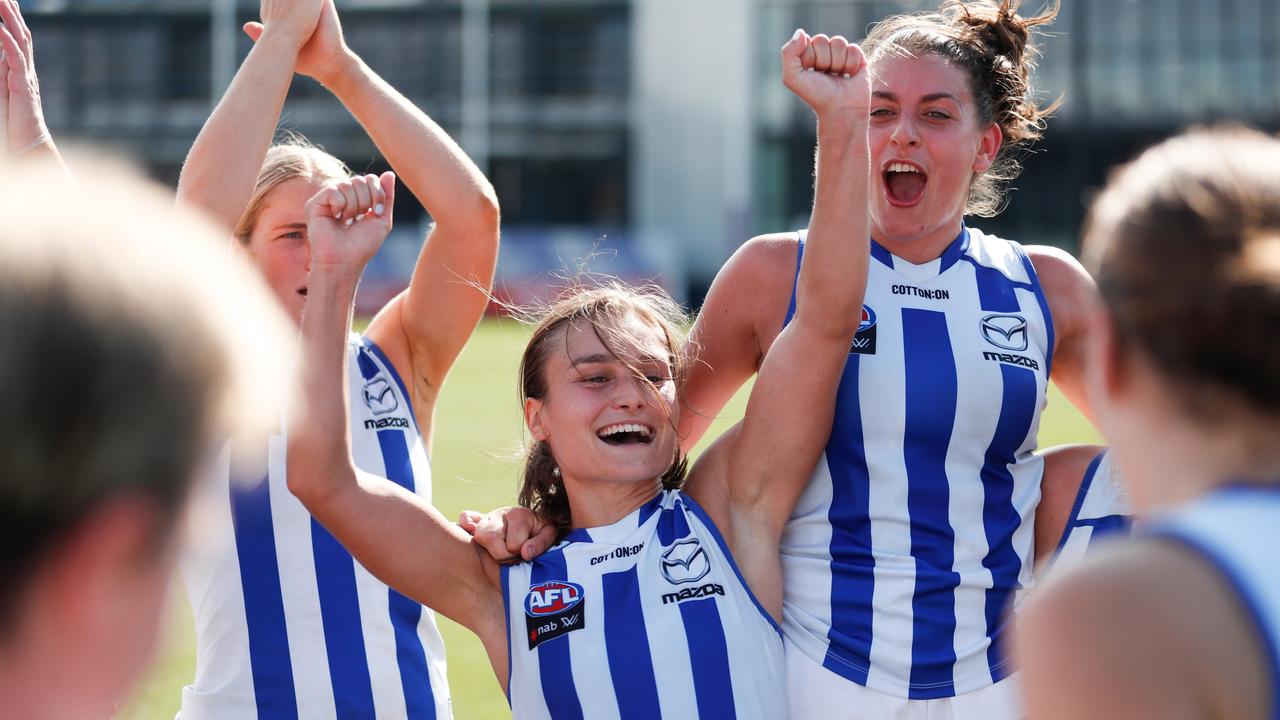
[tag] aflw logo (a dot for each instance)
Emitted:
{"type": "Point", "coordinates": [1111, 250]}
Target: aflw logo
{"type": "Point", "coordinates": [552, 609]}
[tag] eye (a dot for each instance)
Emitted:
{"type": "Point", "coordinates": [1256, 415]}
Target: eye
{"type": "Point", "coordinates": [881, 112]}
{"type": "Point", "coordinates": [595, 379]}
{"type": "Point", "coordinates": [938, 115]}
{"type": "Point", "coordinates": [293, 235]}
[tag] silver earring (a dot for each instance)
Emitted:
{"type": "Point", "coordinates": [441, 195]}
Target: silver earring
{"type": "Point", "coordinates": [555, 471]}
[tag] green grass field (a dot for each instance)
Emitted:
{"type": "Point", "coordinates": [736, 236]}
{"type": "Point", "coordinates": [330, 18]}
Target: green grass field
{"type": "Point", "coordinates": [478, 437]}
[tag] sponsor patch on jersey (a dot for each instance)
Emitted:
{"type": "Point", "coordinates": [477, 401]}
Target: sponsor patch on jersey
{"type": "Point", "coordinates": [693, 593]}
{"type": "Point", "coordinates": [685, 562]}
{"type": "Point", "coordinates": [864, 342]}
{"type": "Point", "coordinates": [622, 551]}
{"type": "Point", "coordinates": [380, 396]}
{"type": "Point", "coordinates": [552, 609]}
{"type": "Point", "coordinates": [1007, 359]}
{"type": "Point", "coordinates": [1007, 332]}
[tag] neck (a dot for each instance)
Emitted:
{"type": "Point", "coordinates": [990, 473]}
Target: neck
{"type": "Point", "coordinates": [597, 504]}
{"type": "Point", "coordinates": [921, 248]}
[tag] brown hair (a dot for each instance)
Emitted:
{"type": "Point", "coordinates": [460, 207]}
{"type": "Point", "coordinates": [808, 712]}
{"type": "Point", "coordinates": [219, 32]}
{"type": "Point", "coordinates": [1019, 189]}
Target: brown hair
{"type": "Point", "coordinates": [1186, 245]}
{"type": "Point", "coordinates": [541, 487]}
{"type": "Point", "coordinates": [293, 157]}
{"type": "Point", "coordinates": [993, 44]}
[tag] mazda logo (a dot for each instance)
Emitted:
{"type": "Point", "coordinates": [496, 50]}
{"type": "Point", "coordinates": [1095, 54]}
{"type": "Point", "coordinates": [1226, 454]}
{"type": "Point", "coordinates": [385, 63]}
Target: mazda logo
{"type": "Point", "coordinates": [1007, 332]}
{"type": "Point", "coordinates": [685, 562]}
{"type": "Point", "coordinates": [379, 396]}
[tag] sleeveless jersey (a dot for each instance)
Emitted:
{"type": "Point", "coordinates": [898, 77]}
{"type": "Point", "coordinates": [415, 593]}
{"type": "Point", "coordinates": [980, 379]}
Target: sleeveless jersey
{"type": "Point", "coordinates": [288, 625]}
{"type": "Point", "coordinates": [646, 618]}
{"type": "Point", "coordinates": [1233, 529]}
{"type": "Point", "coordinates": [914, 536]}
{"type": "Point", "coordinates": [1101, 509]}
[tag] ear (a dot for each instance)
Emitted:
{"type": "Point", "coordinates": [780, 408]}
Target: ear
{"type": "Point", "coordinates": [988, 148]}
{"type": "Point", "coordinates": [533, 419]}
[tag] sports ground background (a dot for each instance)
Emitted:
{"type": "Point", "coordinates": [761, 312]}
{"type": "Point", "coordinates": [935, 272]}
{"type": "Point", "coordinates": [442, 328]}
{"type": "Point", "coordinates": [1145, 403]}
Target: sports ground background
{"type": "Point", "coordinates": [479, 433]}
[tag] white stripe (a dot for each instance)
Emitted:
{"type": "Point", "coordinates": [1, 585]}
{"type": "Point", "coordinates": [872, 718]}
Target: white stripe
{"type": "Point", "coordinates": [588, 650]}
{"type": "Point", "coordinates": [806, 564]}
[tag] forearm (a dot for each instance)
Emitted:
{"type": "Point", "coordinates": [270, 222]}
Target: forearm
{"type": "Point", "coordinates": [447, 183]}
{"type": "Point", "coordinates": [222, 166]}
{"type": "Point", "coordinates": [834, 269]}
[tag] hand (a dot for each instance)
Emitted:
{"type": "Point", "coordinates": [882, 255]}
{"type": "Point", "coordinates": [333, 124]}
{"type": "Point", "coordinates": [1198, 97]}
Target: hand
{"type": "Point", "coordinates": [24, 116]}
{"type": "Point", "coordinates": [347, 223]}
{"type": "Point", "coordinates": [324, 52]}
{"type": "Point", "coordinates": [510, 534]}
{"type": "Point", "coordinates": [828, 73]}
{"type": "Point", "coordinates": [295, 19]}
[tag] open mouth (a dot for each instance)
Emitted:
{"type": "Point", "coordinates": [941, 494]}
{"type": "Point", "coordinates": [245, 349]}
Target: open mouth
{"type": "Point", "coordinates": [904, 183]}
{"type": "Point", "coordinates": [302, 291]}
{"type": "Point", "coordinates": [626, 434]}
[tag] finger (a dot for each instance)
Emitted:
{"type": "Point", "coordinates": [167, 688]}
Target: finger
{"type": "Point", "coordinates": [13, 23]}
{"type": "Point", "coordinates": [13, 53]}
{"type": "Point", "coordinates": [387, 184]}
{"type": "Point", "coordinates": [468, 520]}
{"type": "Point", "coordinates": [364, 196]}
{"type": "Point", "coordinates": [839, 54]}
{"type": "Point", "coordinates": [855, 60]}
{"type": "Point", "coordinates": [253, 30]}
{"type": "Point", "coordinates": [351, 203]}
{"type": "Point", "coordinates": [491, 535]}
{"type": "Point", "coordinates": [821, 53]}
{"type": "Point", "coordinates": [539, 543]}
{"type": "Point", "coordinates": [809, 58]}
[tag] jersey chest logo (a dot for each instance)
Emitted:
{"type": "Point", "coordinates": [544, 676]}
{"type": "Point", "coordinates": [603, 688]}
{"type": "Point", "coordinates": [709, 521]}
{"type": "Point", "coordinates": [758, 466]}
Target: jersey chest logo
{"type": "Point", "coordinates": [1007, 332]}
{"type": "Point", "coordinates": [685, 562]}
{"type": "Point", "coordinates": [380, 396]}
{"type": "Point", "coordinates": [864, 342]}
{"type": "Point", "coordinates": [552, 609]}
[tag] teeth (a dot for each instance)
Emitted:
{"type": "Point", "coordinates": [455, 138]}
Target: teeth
{"type": "Point", "coordinates": [624, 428]}
{"type": "Point", "coordinates": [902, 168]}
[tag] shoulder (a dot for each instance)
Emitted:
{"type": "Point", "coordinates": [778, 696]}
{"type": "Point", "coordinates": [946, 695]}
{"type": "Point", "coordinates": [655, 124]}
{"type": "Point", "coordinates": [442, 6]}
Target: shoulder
{"type": "Point", "coordinates": [1060, 273]}
{"type": "Point", "coordinates": [1103, 639]}
{"type": "Point", "coordinates": [763, 257]}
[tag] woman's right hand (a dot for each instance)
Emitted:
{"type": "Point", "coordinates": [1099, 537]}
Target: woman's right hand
{"type": "Point", "coordinates": [509, 534]}
{"type": "Point", "coordinates": [324, 53]}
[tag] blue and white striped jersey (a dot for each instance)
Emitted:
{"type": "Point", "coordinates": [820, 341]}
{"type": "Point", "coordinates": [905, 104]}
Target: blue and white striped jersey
{"type": "Point", "coordinates": [914, 536]}
{"type": "Point", "coordinates": [646, 618]}
{"type": "Point", "coordinates": [1102, 508]}
{"type": "Point", "coordinates": [288, 625]}
{"type": "Point", "coordinates": [1234, 530]}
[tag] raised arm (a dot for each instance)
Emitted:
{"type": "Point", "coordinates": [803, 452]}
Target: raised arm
{"type": "Point", "coordinates": [423, 330]}
{"type": "Point", "coordinates": [373, 517]}
{"type": "Point", "coordinates": [223, 164]}
{"type": "Point", "coordinates": [22, 125]}
{"type": "Point", "coordinates": [765, 465]}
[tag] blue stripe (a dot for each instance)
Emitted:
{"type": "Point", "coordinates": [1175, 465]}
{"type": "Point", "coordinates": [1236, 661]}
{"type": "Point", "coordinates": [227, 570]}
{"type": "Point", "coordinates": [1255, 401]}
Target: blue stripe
{"type": "Point", "coordinates": [882, 255]}
{"type": "Point", "coordinates": [411, 656]}
{"type": "Point", "coordinates": [627, 645]}
{"type": "Point", "coordinates": [269, 660]}
{"type": "Point", "coordinates": [1000, 519]}
{"type": "Point", "coordinates": [343, 631]}
{"type": "Point", "coordinates": [930, 416]}
{"type": "Point", "coordinates": [554, 667]}
{"type": "Point", "coordinates": [795, 283]}
{"type": "Point", "coordinates": [852, 561]}
{"type": "Point", "coordinates": [1106, 525]}
{"type": "Point", "coordinates": [648, 509]}
{"type": "Point", "coordinates": [709, 657]}
{"type": "Point", "coordinates": [956, 250]}
{"type": "Point", "coordinates": [1044, 306]}
{"type": "Point", "coordinates": [1074, 517]}
{"type": "Point", "coordinates": [672, 526]}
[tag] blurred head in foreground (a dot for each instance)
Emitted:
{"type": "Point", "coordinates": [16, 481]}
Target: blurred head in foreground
{"type": "Point", "coordinates": [1185, 243]}
{"type": "Point", "coordinates": [118, 380]}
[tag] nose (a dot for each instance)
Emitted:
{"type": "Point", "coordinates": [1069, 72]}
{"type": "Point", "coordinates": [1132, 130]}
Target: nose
{"type": "Point", "coordinates": [904, 132]}
{"type": "Point", "coordinates": [306, 255]}
{"type": "Point", "coordinates": [631, 392]}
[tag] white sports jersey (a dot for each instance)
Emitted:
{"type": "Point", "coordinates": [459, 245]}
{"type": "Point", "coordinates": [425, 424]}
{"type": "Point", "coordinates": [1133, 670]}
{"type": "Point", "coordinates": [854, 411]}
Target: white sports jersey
{"type": "Point", "coordinates": [288, 625]}
{"type": "Point", "coordinates": [1234, 530]}
{"type": "Point", "coordinates": [1101, 509]}
{"type": "Point", "coordinates": [914, 535]}
{"type": "Point", "coordinates": [646, 618]}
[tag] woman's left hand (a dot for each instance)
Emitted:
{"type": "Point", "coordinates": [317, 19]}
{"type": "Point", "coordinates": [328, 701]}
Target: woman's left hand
{"type": "Point", "coordinates": [347, 223]}
{"type": "Point", "coordinates": [828, 73]}
{"type": "Point", "coordinates": [323, 55]}
{"type": "Point", "coordinates": [24, 116]}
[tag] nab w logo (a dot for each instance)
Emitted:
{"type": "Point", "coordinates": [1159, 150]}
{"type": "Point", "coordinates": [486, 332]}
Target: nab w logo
{"type": "Point", "coordinates": [685, 562]}
{"type": "Point", "coordinates": [864, 341]}
{"type": "Point", "coordinates": [551, 598]}
{"type": "Point", "coordinates": [379, 396]}
{"type": "Point", "coordinates": [1007, 332]}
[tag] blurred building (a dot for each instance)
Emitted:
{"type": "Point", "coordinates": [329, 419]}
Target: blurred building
{"type": "Point", "coordinates": [645, 138]}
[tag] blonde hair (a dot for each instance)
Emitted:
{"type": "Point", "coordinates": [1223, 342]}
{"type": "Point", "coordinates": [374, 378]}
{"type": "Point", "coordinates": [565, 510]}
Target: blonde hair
{"type": "Point", "coordinates": [293, 157]}
{"type": "Point", "coordinates": [541, 487]}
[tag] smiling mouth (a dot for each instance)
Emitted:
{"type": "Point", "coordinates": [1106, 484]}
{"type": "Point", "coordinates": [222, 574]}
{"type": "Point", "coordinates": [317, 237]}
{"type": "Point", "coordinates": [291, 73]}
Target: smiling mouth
{"type": "Point", "coordinates": [904, 184]}
{"type": "Point", "coordinates": [302, 292]}
{"type": "Point", "coordinates": [626, 434]}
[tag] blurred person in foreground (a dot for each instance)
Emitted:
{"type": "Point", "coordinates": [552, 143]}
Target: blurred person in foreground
{"type": "Point", "coordinates": [1184, 620]}
{"type": "Point", "coordinates": [118, 381]}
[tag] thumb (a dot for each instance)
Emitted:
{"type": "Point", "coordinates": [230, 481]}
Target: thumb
{"type": "Point", "coordinates": [795, 48]}
{"type": "Point", "coordinates": [253, 30]}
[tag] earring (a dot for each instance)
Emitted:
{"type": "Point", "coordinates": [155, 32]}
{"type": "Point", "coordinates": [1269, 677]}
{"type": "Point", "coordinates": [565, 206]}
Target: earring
{"type": "Point", "coordinates": [555, 471]}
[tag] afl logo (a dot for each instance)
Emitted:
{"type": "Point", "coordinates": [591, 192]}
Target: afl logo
{"type": "Point", "coordinates": [1007, 332]}
{"type": "Point", "coordinates": [552, 598]}
{"type": "Point", "coordinates": [379, 396]}
{"type": "Point", "coordinates": [685, 562]}
{"type": "Point", "coordinates": [868, 319]}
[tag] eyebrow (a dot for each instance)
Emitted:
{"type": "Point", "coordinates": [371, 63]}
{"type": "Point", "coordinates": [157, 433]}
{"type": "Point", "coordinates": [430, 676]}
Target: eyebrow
{"type": "Point", "coordinates": [931, 97]}
{"type": "Point", "coordinates": [292, 226]}
{"type": "Point", "coordinates": [607, 358]}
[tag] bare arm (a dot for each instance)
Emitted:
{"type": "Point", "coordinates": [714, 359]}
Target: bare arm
{"type": "Point", "coordinates": [1070, 292]}
{"type": "Point", "coordinates": [374, 518]}
{"type": "Point", "coordinates": [22, 127]}
{"type": "Point", "coordinates": [790, 411]}
{"type": "Point", "coordinates": [422, 330]}
{"type": "Point", "coordinates": [222, 166]}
